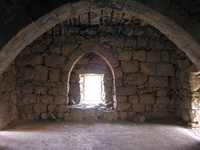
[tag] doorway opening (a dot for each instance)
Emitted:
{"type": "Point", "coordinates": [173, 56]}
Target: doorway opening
{"type": "Point", "coordinates": [91, 88]}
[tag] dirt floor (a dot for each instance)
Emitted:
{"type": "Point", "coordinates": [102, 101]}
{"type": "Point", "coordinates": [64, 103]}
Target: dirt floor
{"type": "Point", "coordinates": [99, 135]}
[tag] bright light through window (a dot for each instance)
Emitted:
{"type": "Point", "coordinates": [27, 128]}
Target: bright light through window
{"type": "Point", "coordinates": [91, 88]}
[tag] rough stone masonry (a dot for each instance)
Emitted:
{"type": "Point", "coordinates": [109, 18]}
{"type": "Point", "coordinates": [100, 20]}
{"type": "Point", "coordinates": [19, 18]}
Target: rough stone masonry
{"type": "Point", "coordinates": [146, 74]}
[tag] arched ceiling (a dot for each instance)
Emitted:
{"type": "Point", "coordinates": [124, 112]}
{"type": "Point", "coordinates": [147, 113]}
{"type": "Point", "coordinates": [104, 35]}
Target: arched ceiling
{"type": "Point", "coordinates": [86, 13]}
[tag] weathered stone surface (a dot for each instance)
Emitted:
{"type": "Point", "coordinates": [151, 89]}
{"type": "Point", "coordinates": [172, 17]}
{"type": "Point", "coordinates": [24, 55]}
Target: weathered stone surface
{"type": "Point", "coordinates": [148, 68]}
{"type": "Point", "coordinates": [142, 41]}
{"type": "Point", "coordinates": [188, 101]}
{"type": "Point", "coordinates": [61, 108]}
{"type": "Point", "coordinates": [126, 90]}
{"type": "Point", "coordinates": [138, 107]}
{"type": "Point", "coordinates": [124, 55]}
{"type": "Point", "coordinates": [53, 91]}
{"type": "Point", "coordinates": [86, 47]}
{"type": "Point", "coordinates": [121, 99]}
{"type": "Point", "coordinates": [68, 47]}
{"type": "Point", "coordinates": [136, 78]}
{"type": "Point", "coordinates": [113, 62]}
{"type": "Point", "coordinates": [55, 48]}
{"type": "Point", "coordinates": [118, 73]}
{"type": "Point", "coordinates": [5, 97]}
{"type": "Point", "coordinates": [40, 90]}
{"type": "Point", "coordinates": [77, 111]}
{"type": "Point", "coordinates": [46, 99]}
{"type": "Point", "coordinates": [153, 56]}
{"type": "Point", "coordinates": [118, 42]}
{"type": "Point", "coordinates": [165, 69]}
{"type": "Point", "coordinates": [147, 99]}
{"type": "Point", "coordinates": [130, 42]}
{"type": "Point", "coordinates": [59, 39]}
{"type": "Point", "coordinates": [123, 106]}
{"type": "Point", "coordinates": [165, 56]}
{"type": "Point", "coordinates": [54, 75]}
{"type": "Point", "coordinates": [110, 115]}
{"type": "Point", "coordinates": [29, 99]}
{"type": "Point", "coordinates": [139, 118]}
{"type": "Point", "coordinates": [162, 93]}
{"type": "Point", "coordinates": [89, 111]}
{"type": "Point", "coordinates": [130, 66]}
{"type": "Point", "coordinates": [39, 107]}
{"type": "Point", "coordinates": [157, 44]}
{"type": "Point", "coordinates": [41, 72]}
{"type": "Point", "coordinates": [123, 115]}
{"type": "Point", "coordinates": [133, 99]}
{"type": "Point", "coordinates": [185, 116]}
{"type": "Point", "coordinates": [74, 88]}
{"type": "Point", "coordinates": [38, 47]}
{"type": "Point", "coordinates": [158, 81]}
{"type": "Point", "coordinates": [139, 55]}
{"type": "Point", "coordinates": [60, 99]}
{"type": "Point", "coordinates": [195, 81]}
{"type": "Point", "coordinates": [53, 60]}
{"type": "Point", "coordinates": [27, 73]}
{"type": "Point", "coordinates": [162, 100]}
{"type": "Point", "coordinates": [36, 59]}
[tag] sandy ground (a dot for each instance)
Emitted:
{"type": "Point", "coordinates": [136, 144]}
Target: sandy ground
{"type": "Point", "coordinates": [99, 135]}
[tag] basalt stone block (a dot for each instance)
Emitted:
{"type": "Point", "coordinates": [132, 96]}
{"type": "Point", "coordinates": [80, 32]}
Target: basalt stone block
{"type": "Point", "coordinates": [138, 107]}
{"type": "Point", "coordinates": [118, 42]}
{"type": "Point", "coordinates": [139, 55]}
{"type": "Point", "coordinates": [130, 42]}
{"type": "Point", "coordinates": [60, 99]}
{"type": "Point", "coordinates": [39, 107]}
{"type": "Point", "coordinates": [129, 90]}
{"type": "Point", "coordinates": [46, 99]}
{"type": "Point", "coordinates": [153, 56]}
{"type": "Point", "coordinates": [36, 59]}
{"type": "Point", "coordinates": [165, 69]}
{"type": "Point", "coordinates": [147, 99]}
{"type": "Point", "coordinates": [41, 72]}
{"type": "Point", "coordinates": [86, 47]}
{"type": "Point", "coordinates": [55, 48]}
{"type": "Point", "coordinates": [136, 78]}
{"type": "Point", "coordinates": [53, 60]}
{"type": "Point", "coordinates": [123, 106]}
{"type": "Point", "coordinates": [139, 118]}
{"type": "Point", "coordinates": [133, 99]}
{"type": "Point", "coordinates": [148, 68]}
{"type": "Point", "coordinates": [40, 90]}
{"type": "Point", "coordinates": [77, 111]}
{"type": "Point", "coordinates": [38, 47]}
{"type": "Point", "coordinates": [89, 111]}
{"type": "Point", "coordinates": [141, 41]}
{"type": "Point", "coordinates": [162, 100]}
{"type": "Point", "coordinates": [125, 55]}
{"type": "Point", "coordinates": [59, 39]}
{"type": "Point", "coordinates": [54, 75]}
{"type": "Point", "coordinates": [157, 44]}
{"type": "Point", "coordinates": [27, 73]}
{"type": "Point", "coordinates": [61, 108]}
{"type": "Point", "coordinates": [158, 81]}
{"type": "Point", "coordinates": [121, 99]}
{"type": "Point", "coordinates": [110, 115]}
{"type": "Point", "coordinates": [130, 66]}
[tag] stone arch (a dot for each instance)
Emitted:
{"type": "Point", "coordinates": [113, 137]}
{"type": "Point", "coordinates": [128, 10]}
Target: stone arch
{"type": "Point", "coordinates": [99, 51]}
{"type": "Point", "coordinates": [168, 27]}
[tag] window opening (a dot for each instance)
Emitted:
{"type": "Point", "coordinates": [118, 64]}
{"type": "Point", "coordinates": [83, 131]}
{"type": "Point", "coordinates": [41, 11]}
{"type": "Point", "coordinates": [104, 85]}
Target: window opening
{"type": "Point", "coordinates": [91, 88]}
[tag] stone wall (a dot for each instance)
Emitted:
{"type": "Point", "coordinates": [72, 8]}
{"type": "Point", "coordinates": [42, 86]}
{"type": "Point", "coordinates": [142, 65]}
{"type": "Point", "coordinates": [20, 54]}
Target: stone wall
{"type": "Point", "coordinates": [91, 63]}
{"type": "Point", "coordinates": [8, 110]}
{"type": "Point", "coordinates": [145, 72]}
